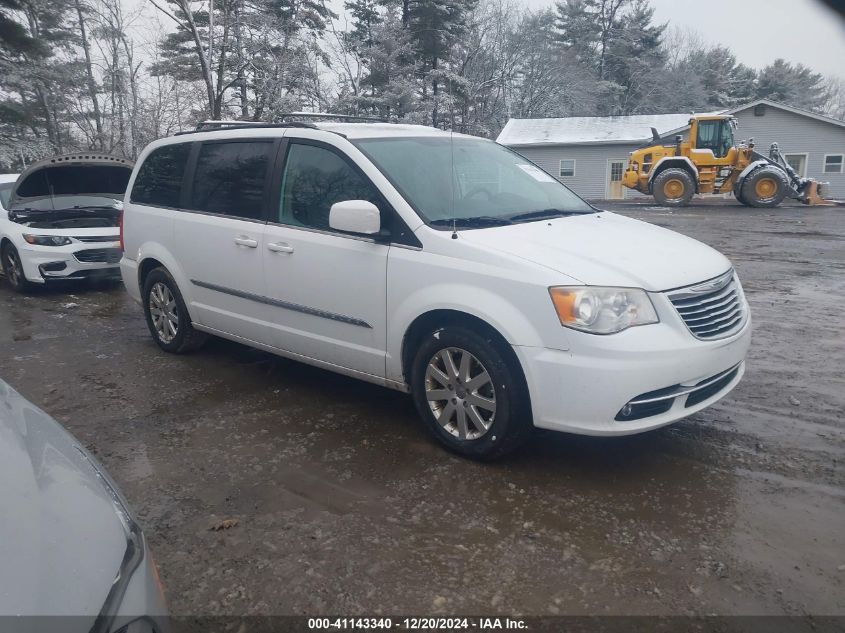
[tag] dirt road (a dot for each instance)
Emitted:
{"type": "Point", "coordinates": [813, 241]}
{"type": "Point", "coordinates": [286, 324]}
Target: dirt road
{"type": "Point", "coordinates": [346, 507]}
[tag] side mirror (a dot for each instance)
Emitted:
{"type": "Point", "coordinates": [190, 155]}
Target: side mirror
{"type": "Point", "coordinates": [355, 216]}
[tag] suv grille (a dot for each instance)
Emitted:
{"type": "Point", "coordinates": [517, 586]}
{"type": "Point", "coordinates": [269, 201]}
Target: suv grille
{"type": "Point", "coordinates": [99, 255]}
{"type": "Point", "coordinates": [711, 309]}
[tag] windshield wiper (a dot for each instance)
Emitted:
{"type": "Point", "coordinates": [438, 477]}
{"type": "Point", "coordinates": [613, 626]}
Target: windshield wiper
{"type": "Point", "coordinates": [543, 214]}
{"type": "Point", "coordinates": [476, 221]}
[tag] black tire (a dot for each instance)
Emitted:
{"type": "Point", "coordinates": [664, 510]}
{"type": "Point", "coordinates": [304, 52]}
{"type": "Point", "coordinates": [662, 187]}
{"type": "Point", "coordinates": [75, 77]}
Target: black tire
{"type": "Point", "coordinates": [13, 269]}
{"type": "Point", "coordinates": [765, 187]}
{"type": "Point", "coordinates": [673, 187]}
{"type": "Point", "coordinates": [738, 196]}
{"type": "Point", "coordinates": [185, 338]}
{"type": "Point", "coordinates": [510, 423]}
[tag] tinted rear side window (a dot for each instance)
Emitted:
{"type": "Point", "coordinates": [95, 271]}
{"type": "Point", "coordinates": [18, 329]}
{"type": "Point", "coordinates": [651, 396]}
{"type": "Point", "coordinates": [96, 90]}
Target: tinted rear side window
{"type": "Point", "coordinates": [230, 178]}
{"type": "Point", "coordinates": [159, 180]}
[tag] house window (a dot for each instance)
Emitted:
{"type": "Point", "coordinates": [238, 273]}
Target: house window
{"type": "Point", "coordinates": [567, 168]}
{"type": "Point", "coordinates": [832, 163]}
{"type": "Point", "coordinates": [798, 162]}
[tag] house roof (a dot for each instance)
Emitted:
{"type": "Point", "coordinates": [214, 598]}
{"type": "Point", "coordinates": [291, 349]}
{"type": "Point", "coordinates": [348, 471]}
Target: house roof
{"type": "Point", "coordinates": [788, 108]}
{"type": "Point", "coordinates": [618, 129]}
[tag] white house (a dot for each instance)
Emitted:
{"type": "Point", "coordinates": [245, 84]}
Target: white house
{"type": "Point", "coordinates": [589, 154]}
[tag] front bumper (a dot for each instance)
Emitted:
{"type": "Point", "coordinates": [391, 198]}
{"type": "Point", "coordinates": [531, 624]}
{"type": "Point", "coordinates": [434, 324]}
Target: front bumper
{"type": "Point", "coordinates": [584, 389]}
{"type": "Point", "coordinates": [69, 263]}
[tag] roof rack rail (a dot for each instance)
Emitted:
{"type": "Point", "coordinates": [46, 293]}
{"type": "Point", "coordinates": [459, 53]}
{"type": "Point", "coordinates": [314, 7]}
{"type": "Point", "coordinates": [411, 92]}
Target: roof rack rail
{"type": "Point", "coordinates": [241, 125]}
{"type": "Point", "coordinates": [331, 115]}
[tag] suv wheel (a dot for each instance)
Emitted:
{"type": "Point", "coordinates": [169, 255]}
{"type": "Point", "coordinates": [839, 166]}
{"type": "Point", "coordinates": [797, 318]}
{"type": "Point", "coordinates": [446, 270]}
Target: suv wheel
{"type": "Point", "coordinates": [469, 394]}
{"type": "Point", "coordinates": [14, 269]}
{"type": "Point", "coordinates": [166, 314]}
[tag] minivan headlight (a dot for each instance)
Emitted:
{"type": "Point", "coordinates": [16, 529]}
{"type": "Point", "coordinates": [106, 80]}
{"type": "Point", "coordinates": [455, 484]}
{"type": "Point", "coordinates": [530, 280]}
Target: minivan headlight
{"type": "Point", "coordinates": [602, 310]}
{"type": "Point", "coordinates": [46, 240]}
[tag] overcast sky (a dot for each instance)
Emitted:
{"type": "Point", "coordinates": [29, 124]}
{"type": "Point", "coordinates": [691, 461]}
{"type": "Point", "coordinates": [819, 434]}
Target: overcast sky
{"type": "Point", "coordinates": [758, 31]}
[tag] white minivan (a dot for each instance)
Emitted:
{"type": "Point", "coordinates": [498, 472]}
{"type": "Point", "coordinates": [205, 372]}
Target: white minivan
{"type": "Point", "coordinates": [438, 264]}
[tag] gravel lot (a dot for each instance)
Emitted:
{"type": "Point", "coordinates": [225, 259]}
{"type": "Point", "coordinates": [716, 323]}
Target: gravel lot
{"type": "Point", "coordinates": [344, 505]}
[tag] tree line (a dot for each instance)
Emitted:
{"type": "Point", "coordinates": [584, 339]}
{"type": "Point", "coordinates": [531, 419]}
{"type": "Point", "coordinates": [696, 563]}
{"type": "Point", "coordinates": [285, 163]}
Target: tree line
{"type": "Point", "coordinates": [86, 75]}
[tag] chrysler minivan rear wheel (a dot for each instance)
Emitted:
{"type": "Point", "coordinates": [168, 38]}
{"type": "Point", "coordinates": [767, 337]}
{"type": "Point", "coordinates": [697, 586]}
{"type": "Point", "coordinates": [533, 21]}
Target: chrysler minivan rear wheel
{"type": "Point", "coordinates": [166, 314]}
{"type": "Point", "coordinates": [469, 393]}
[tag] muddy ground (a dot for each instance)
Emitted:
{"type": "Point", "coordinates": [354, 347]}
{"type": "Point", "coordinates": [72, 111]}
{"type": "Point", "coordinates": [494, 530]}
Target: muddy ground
{"type": "Point", "coordinates": [345, 506]}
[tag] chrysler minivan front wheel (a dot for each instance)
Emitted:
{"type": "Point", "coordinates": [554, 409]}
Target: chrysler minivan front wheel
{"type": "Point", "coordinates": [469, 393]}
{"type": "Point", "coordinates": [166, 314]}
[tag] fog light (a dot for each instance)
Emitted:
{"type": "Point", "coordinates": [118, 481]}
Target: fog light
{"type": "Point", "coordinates": [52, 267]}
{"type": "Point", "coordinates": [625, 411]}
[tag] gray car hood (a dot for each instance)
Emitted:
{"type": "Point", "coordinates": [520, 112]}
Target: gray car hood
{"type": "Point", "coordinates": [61, 539]}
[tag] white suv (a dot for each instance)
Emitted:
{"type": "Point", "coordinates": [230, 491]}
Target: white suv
{"type": "Point", "coordinates": [443, 265]}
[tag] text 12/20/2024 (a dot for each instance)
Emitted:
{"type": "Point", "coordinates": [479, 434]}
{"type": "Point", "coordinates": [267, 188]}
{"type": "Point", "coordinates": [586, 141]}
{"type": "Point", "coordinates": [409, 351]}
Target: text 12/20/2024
{"type": "Point", "coordinates": [417, 624]}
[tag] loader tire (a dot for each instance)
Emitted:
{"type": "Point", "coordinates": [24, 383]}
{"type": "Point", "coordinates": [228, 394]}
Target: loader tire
{"type": "Point", "coordinates": [673, 187]}
{"type": "Point", "coordinates": [764, 187]}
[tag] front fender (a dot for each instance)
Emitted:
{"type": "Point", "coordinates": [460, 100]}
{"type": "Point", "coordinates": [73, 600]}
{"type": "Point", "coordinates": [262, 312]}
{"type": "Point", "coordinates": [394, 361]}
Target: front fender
{"type": "Point", "coordinates": [744, 173]}
{"type": "Point", "coordinates": [508, 319]}
{"type": "Point", "coordinates": [682, 161]}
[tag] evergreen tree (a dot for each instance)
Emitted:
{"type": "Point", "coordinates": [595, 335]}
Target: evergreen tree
{"type": "Point", "coordinates": [793, 85]}
{"type": "Point", "coordinates": [634, 58]}
{"type": "Point", "coordinates": [38, 83]}
{"type": "Point", "coordinates": [15, 39]}
{"type": "Point", "coordinates": [434, 27]}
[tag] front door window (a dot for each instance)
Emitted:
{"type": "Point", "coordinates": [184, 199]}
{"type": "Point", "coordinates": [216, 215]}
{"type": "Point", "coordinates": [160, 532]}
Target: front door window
{"type": "Point", "coordinates": [717, 136]}
{"type": "Point", "coordinates": [314, 179]}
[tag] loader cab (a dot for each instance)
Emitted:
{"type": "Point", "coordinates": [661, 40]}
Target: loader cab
{"type": "Point", "coordinates": [713, 133]}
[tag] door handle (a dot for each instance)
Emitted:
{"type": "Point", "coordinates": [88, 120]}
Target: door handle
{"type": "Point", "coordinates": [280, 247]}
{"type": "Point", "coordinates": [246, 241]}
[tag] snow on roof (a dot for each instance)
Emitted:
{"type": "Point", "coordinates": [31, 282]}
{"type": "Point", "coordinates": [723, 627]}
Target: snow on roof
{"type": "Point", "coordinates": [588, 129]}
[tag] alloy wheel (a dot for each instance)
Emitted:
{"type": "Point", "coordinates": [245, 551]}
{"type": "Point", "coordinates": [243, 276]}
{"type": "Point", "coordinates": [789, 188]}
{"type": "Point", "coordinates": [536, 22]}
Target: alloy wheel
{"type": "Point", "coordinates": [460, 393]}
{"type": "Point", "coordinates": [164, 312]}
{"type": "Point", "coordinates": [12, 268]}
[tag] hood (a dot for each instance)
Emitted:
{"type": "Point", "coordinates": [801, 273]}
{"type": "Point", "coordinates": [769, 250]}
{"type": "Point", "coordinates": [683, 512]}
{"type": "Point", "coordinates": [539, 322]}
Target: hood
{"type": "Point", "coordinates": [61, 540]}
{"type": "Point", "coordinates": [605, 249]}
{"type": "Point", "coordinates": [73, 180]}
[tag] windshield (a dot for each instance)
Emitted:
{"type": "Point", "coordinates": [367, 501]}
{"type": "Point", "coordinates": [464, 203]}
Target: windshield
{"type": "Point", "coordinates": [492, 185]}
{"type": "Point", "coordinates": [68, 203]}
{"type": "Point", "coordinates": [5, 192]}
{"type": "Point", "coordinates": [715, 135]}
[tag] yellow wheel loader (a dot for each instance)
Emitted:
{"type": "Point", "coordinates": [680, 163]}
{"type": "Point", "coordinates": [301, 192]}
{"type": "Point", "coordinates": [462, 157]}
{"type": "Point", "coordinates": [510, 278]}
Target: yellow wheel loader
{"type": "Point", "coordinates": [710, 161]}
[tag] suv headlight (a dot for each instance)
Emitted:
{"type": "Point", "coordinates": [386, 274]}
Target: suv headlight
{"type": "Point", "coordinates": [602, 310]}
{"type": "Point", "coordinates": [47, 240]}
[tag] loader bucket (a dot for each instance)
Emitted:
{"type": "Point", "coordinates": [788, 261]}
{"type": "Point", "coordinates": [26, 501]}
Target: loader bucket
{"type": "Point", "coordinates": [813, 195]}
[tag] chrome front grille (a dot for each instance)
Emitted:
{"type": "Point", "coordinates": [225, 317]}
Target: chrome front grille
{"type": "Point", "coordinates": [711, 309]}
